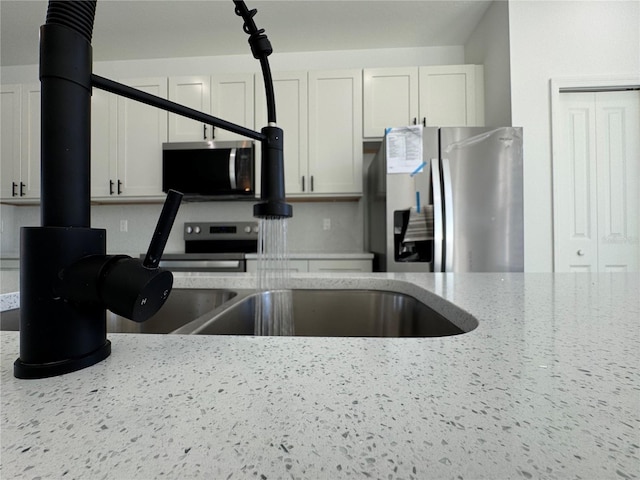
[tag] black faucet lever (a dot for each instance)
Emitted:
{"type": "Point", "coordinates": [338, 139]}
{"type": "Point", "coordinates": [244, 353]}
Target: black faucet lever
{"type": "Point", "coordinates": [163, 229]}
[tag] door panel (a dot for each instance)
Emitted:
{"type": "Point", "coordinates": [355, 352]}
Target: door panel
{"type": "Point", "coordinates": [618, 153]}
{"type": "Point", "coordinates": [575, 213]}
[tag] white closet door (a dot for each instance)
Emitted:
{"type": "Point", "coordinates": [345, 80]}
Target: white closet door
{"type": "Point", "coordinates": [596, 183]}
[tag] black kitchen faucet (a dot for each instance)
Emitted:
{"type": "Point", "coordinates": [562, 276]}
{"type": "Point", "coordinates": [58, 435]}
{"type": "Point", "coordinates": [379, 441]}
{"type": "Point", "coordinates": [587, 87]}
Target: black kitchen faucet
{"type": "Point", "coordinates": [67, 281]}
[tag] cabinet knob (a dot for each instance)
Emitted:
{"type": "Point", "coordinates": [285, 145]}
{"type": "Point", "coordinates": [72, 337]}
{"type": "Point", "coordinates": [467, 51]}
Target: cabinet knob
{"type": "Point", "coordinates": [580, 253]}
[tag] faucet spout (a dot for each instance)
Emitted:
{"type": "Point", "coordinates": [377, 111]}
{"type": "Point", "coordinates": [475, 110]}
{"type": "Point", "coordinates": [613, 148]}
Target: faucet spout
{"type": "Point", "coordinates": [272, 182]}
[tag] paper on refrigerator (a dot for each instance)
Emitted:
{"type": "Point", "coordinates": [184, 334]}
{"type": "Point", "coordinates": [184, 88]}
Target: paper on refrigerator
{"type": "Point", "coordinates": [404, 149]}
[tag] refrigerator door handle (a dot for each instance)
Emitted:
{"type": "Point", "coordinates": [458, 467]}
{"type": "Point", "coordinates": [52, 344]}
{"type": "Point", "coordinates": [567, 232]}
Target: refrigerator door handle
{"type": "Point", "coordinates": [437, 215]}
{"type": "Point", "coordinates": [448, 216]}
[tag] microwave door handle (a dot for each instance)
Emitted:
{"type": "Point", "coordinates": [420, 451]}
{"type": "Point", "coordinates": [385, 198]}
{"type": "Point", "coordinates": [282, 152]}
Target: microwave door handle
{"type": "Point", "coordinates": [232, 169]}
{"type": "Point", "coordinates": [437, 215]}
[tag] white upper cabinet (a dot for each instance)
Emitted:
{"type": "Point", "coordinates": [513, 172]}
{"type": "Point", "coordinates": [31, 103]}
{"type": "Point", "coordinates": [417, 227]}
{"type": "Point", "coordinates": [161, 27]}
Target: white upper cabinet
{"type": "Point", "coordinates": [390, 99]}
{"type": "Point", "coordinates": [291, 92]}
{"type": "Point", "coordinates": [126, 142]}
{"type": "Point", "coordinates": [232, 100]}
{"type": "Point", "coordinates": [193, 92]}
{"type": "Point", "coordinates": [142, 129]}
{"type": "Point", "coordinates": [335, 132]}
{"type": "Point", "coordinates": [442, 96]}
{"type": "Point", "coordinates": [320, 114]}
{"type": "Point", "coordinates": [30, 148]}
{"type": "Point", "coordinates": [452, 95]}
{"type": "Point", "coordinates": [226, 96]}
{"type": "Point", "coordinates": [10, 125]}
{"type": "Point", "coordinates": [104, 143]}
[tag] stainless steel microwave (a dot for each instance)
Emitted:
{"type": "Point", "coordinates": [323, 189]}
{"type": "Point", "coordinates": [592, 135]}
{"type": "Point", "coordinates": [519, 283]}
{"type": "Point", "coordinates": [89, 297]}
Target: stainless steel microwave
{"type": "Point", "coordinates": [209, 169]}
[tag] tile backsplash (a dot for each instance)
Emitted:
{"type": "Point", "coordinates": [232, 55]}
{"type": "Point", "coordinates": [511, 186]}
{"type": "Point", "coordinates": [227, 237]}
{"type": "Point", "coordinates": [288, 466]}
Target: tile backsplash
{"type": "Point", "coordinates": [307, 231]}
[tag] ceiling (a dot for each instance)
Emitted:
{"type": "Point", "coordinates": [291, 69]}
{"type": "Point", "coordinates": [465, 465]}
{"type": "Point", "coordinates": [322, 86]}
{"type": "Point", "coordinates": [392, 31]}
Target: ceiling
{"type": "Point", "coordinates": [136, 29]}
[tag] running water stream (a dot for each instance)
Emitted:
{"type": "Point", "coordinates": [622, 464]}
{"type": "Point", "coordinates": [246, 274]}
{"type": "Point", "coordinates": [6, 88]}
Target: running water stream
{"type": "Point", "coordinates": [274, 312]}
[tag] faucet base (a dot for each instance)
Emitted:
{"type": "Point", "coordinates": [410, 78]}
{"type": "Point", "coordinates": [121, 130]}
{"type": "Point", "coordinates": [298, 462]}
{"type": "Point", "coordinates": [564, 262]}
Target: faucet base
{"type": "Point", "coordinates": [43, 370]}
{"type": "Point", "coordinates": [56, 335]}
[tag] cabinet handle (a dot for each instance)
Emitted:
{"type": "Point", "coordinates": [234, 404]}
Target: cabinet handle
{"type": "Point", "coordinates": [415, 120]}
{"type": "Point", "coordinates": [204, 135]}
{"type": "Point", "coordinates": [424, 121]}
{"type": "Point", "coordinates": [312, 183]}
{"type": "Point", "coordinates": [110, 187]}
{"type": "Point", "coordinates": [303, 183]}
{"type": "Point", "coordinates": [14, 185]}
{"type": "Point", "coordinates": [213, 132]}
{"type": "Point", "coordinates": [22, 185]}
{"type": "Point", "coordinates": [119, 187]}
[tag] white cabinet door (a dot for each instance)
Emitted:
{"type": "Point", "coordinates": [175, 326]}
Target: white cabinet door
{"type": "Point", "coordinates": [193, 92]}
{"type": "Point", "coordinates": [232, 100]}
{"type": "Point", "coordinates": [335, 132]}
{"type": "Point", "coordinates": [141, 131]}
{"type": "Point", "coordinates": [390, 99]}
{"type": "Point", "coordinates": [104, 143]}
{"type": "Point", "coordinates": [30, 151]}
{"type": "Point", "coordinates": [290, 90]}
{"type": "Point", "coordinates": [10, 125]}
{"type": "Point", "coordinates": [452, 95]}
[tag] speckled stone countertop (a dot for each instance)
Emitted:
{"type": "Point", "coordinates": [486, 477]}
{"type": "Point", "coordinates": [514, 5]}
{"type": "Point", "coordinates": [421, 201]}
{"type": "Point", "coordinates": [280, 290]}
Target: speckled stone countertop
{"type": "Point", "coordinates": [548, 386]}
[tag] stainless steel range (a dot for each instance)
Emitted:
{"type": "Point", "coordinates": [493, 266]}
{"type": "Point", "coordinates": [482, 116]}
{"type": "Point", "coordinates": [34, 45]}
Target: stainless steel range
{"type": "Point", "coordinates": [214, 247]}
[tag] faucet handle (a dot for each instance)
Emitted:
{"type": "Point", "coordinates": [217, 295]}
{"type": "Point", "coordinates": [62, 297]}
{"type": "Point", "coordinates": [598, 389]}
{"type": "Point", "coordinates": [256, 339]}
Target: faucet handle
{"type": "Point", "coordinates": [163, 229]}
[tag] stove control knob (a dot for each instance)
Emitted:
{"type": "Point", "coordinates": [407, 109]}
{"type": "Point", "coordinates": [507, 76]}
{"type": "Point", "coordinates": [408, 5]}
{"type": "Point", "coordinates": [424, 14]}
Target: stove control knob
{"type": "Point", "coordinates": [255, 229]}
{"type": "Point", "coordinates": [247, 229]}
{"type": "Point", "coordinates": [189, 229]}
{"type": "Point", "coordinates": [197, 229]}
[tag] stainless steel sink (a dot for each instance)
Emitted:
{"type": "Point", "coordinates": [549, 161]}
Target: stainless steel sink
{"type": "Point", "coordinates": [183, 306]}
{"type": "Point", "coordinates": [328, 313]}
{"type": "Point", "coordinates": [337, 313]}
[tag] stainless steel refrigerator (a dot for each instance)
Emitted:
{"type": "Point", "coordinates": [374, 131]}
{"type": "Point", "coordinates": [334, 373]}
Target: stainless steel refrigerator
{"type": "Point", "coordinates": [447, 200]}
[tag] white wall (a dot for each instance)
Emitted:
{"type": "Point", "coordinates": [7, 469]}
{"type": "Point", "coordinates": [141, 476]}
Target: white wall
{"type": "Point", "coordinates": [488, 45]}
{"type": "Point", "coordinates": [305, 229]}
{"type": "Point", "coordinates": [391, 57]}
{"type": "Point", "coordinates": [555, 39]}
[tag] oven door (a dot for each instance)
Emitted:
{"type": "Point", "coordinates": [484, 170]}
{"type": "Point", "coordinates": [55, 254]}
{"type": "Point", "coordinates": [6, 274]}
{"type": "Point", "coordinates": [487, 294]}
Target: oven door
{"type": "Point", "coordinates": [204, 262]}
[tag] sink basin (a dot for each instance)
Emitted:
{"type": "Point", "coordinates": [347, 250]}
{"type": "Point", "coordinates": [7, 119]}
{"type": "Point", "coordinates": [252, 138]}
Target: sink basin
{"type": "Point", "coordinates": [337, 313]}
{"type": "Point", "coordinates": [182, 306]}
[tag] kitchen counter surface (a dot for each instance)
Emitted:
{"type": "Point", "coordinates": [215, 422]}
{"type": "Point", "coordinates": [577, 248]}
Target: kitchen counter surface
{"type": "Point", "coordinates": [548, 386]}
